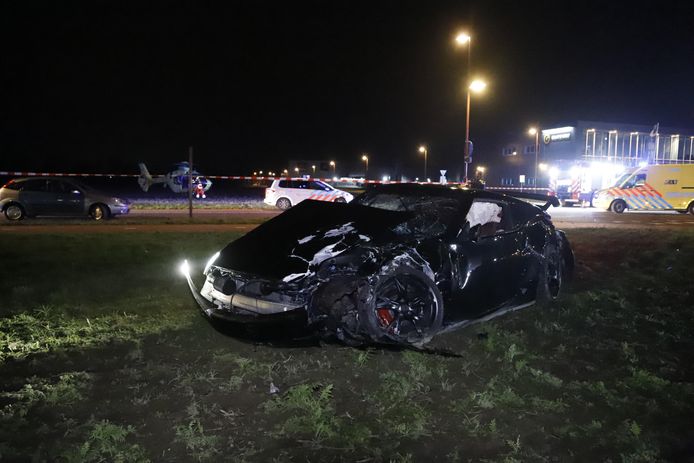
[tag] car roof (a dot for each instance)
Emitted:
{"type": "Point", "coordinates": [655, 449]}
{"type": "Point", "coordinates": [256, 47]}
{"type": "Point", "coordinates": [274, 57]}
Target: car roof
{"type": "Point", "coordinates": [463, 193]}
{"type": "Point", "coordinates": [453, 191]}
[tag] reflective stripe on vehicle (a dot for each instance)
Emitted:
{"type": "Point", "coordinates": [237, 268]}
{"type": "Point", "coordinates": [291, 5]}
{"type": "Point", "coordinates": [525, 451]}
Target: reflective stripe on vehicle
{"type": "Point", "coordinates": [641, 197]}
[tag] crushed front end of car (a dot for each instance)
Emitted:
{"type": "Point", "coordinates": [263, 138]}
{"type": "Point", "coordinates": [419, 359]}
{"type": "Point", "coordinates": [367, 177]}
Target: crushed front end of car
{"type": "Point", "coordinates": [317, 261]}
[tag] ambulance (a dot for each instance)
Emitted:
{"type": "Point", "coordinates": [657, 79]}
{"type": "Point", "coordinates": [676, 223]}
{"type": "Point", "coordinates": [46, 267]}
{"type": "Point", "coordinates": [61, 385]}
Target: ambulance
{"type": "Point", "coordinates": [651, 188]}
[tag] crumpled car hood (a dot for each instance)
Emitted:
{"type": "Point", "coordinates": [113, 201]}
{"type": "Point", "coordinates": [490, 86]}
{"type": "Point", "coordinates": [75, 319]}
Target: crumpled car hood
{"type": "Point", "coordinates": [305, 235]}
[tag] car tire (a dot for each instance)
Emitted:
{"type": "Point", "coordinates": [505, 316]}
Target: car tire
{"type": "Point", "coordinates": [14, 212]}
{"type": "Point", "coordinates": [283, 203]}
{"type": "Point", "coordinates": [551, 274]}
{"type": "Point", "coordinates": [340, 200]}
{"type": "Point", "coordinates": [690, 209]}
{"type": "Point", "coordinates": [618, 206]}
{"type": "Point", "coordinates": [391, 308]}
{"type": "Point", "coordinates": [99, 212]}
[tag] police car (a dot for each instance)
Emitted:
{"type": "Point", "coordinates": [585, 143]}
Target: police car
{"type": "Point", "coordinates": [288, 192]}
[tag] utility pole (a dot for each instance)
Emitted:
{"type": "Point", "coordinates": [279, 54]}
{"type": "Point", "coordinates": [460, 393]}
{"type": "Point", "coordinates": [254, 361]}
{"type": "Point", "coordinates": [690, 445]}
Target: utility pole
{"type": "Point", "coordinates": [190, 182]}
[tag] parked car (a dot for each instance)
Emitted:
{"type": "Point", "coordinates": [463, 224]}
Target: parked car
{"type": "Point", "coordinates": [51, 196]}
{"type": "Point", "coordinates": [398, 264]}
{"type": "Point", "coordinates": [286, 193]}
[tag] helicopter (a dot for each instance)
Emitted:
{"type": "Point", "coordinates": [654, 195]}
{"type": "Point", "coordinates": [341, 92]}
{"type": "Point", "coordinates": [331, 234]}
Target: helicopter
{"type": "Point", "coordinates": [176, 180]}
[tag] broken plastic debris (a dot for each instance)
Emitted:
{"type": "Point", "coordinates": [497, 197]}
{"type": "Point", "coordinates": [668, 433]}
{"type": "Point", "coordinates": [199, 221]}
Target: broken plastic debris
{"type": "Point", "coordinates": [274, 389]}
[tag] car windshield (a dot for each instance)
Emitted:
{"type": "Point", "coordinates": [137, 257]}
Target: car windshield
{"type": "Point", "coordinates": [622, 178]}
{"type": "Point", "coordinates": [431, 215]}
{"type": "Point", "coordinates": [74, 183]}
{"type": "Point", "coordinates": [324, 186]}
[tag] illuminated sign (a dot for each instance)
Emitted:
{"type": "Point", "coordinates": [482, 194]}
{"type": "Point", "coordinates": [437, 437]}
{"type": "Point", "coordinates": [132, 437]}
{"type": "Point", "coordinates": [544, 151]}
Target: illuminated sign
{"type": "Point", "coordinates": [558, 134]}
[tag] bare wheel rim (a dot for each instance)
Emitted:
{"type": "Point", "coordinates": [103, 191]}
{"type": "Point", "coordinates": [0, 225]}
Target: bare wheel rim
{"type": "Point", "coordinates": [13, 212]}
{"type": "Point", "coordinates": [406, 307]}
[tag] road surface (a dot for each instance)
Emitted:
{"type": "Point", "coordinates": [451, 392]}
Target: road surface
{"type": "Point", "coordinates": [220, 220]}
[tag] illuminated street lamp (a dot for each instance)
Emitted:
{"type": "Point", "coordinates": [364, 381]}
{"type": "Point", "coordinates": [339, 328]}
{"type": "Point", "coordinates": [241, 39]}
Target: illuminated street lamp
{"type": "Point", "coordinates": [314, 169]}
{"type": "Point", "coordinates": [365, 158]}
{"type": "Point", "coordinates": [534, 131]}
{"type": "Point", "coordinates": [286, 171]}
{"type": "Point", "coordinates": [332, 164]}
{"type": "Point", "coordinates": [461, 39]}
{"type": "Point", "coordinates": [481, 169]}
{"type": "Point", "coordinates": [296, 170]}
{"type": "Point", "coordinates": [424, 151]}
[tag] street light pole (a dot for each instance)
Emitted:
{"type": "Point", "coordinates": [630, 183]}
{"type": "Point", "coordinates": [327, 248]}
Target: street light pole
{"type": "Point", "coordinates": [365, 158]}
{"type": "Point", "coordinates": [537, 153]}
{"type": "Point", "coordinates": [467, 134]}
{"type": "Point", "coordinates": [463, 39]}
{"type": "Point", "coordinates": [423, 150]}
{"type": "Point", "coordinates": [535, 131]}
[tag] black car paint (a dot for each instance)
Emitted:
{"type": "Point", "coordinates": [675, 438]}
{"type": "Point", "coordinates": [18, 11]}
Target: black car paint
{"type": "Point", "coordinates": [475, 275]}
{"type": "Point", "coordinates": [272, 250]}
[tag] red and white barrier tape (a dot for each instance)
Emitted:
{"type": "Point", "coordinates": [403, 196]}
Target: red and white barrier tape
{"type": "Point", "coordinates": [255, 178]}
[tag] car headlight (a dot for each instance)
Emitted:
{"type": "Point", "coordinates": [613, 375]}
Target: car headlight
{"type": "Point", "coordinates": [210, 262]}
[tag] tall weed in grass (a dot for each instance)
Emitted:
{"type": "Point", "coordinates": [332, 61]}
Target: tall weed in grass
{"type": "Point", "coordinates": [107, 442]}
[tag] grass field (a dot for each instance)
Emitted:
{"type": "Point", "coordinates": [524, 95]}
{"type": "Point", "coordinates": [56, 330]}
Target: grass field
{"type": "Point", "coordinates": [103, 357]}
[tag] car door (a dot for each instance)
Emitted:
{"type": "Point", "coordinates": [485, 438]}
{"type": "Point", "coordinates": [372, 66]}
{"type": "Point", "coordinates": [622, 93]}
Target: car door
{"type": "Point", "coordinates": [321, 191]}
{"type": "Point", "coordinates": [70, 197]}
{"type": "Point", "coordinates": [486, 259]}
{"type": "Point", "coordinates": [303, 190]}
{"type": "Point", "coordinates": [34, 197]}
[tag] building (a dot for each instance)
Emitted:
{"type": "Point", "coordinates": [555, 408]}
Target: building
{"type": "Point", "coordinates": [599, 150]}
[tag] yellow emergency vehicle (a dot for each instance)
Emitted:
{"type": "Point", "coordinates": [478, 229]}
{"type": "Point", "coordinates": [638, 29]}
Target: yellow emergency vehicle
{"type": "Point", "coordinates": [657, 187]}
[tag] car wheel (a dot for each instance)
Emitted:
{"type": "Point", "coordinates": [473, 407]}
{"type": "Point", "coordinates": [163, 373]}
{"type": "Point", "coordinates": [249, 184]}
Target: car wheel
{"type": "Point", "coordinates": [14, 212]}
{"type": "Point", "coordinates": [551, 275]}
{"type": "Point", "coordinates": [404, 306]}
{"type": "Point", "coordinates": [690, 209]}
{"type": "Point", "coordinates": [283, 203]}
{"type": "Point", "coordinates": [618, 206]}
{"type": "Point", "coordinates": [99, 212]}
{"type": "Point", "coordinates": [340, 200]}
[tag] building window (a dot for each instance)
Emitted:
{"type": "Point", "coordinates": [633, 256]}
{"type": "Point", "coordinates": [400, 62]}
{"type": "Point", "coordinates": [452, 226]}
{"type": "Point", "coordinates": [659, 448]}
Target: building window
{"type": "Point", "coordinates": [529, 149]}
{"type": "Point", "coordinates": [510, 151]}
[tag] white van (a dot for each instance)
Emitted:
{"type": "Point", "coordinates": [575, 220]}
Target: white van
{"type": "Point", "coordinates": [286, 193]}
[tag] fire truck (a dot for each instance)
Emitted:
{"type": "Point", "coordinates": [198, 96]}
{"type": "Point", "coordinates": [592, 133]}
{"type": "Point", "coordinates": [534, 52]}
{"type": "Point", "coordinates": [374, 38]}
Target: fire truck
{"type": "Point", "coordinates": [576, 182]}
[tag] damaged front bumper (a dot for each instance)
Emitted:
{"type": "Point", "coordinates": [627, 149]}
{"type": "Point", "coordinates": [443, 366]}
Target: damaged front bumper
{"type": "Point", "coordinates": [239, 307]}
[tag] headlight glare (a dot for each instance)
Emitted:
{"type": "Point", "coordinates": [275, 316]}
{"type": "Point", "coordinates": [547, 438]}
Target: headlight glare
{"type": "Point", "coordinates": [210, 262]}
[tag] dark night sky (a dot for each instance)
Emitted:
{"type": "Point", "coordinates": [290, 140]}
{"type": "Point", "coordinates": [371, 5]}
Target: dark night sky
{"type": "Point", "coordinates": [99, 86]}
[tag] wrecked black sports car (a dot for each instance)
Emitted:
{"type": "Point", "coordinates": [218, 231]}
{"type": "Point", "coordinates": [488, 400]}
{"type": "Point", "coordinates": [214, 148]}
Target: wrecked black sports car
{"type": "Point", "coordinates": [398, 264]}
